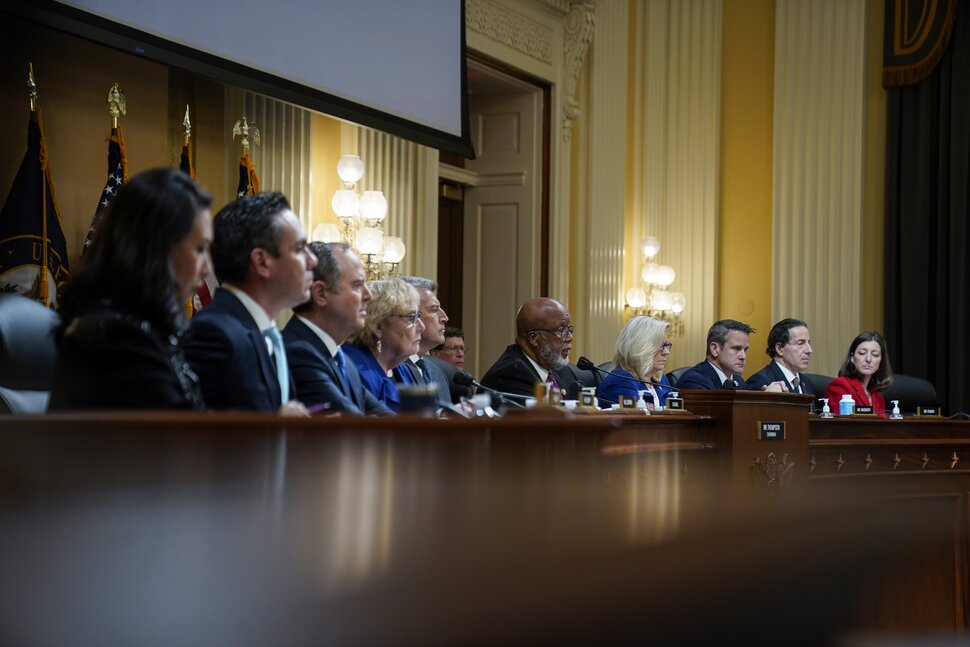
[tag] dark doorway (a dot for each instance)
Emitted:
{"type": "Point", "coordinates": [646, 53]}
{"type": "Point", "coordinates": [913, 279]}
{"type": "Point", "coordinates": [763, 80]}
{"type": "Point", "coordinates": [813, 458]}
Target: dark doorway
{"type": "Point", "coordinates": [451, 240]}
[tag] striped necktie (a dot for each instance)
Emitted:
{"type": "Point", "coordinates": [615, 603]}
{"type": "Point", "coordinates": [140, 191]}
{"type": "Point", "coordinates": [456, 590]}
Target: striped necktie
{"type": "Point", "coordinates": [423, 369]}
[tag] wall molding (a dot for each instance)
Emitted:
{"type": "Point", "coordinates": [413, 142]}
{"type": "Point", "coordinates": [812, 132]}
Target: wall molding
{"type": "Point", "coordinates": [510, 28]}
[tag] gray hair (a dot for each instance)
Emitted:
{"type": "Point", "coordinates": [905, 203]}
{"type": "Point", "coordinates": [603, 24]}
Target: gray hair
{"type": "Point", "coordinates": [387, 296]}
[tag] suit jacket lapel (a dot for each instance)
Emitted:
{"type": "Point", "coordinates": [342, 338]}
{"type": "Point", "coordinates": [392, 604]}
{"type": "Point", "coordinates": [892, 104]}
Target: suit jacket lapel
{"type": "Point", "coordinates": [267, 368]}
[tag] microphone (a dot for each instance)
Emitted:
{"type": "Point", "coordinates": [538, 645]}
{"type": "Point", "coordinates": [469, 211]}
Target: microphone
{"type": "Point", "coordinates": [584, 364]}
{"type": "Point", "coordinates": [463, 378]}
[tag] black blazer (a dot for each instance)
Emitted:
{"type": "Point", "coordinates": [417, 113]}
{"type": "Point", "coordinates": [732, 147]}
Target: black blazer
{"type": "Point", "coordinates": [228, 352]}
{"type": "Point", "coordinates": [108, 359]}
{"type": "Point", "coordinates": [703, 376]}
{"type": "Point", "coordinates": [317, 377]}
{"type": "Point", "coordinates": [512, 372]}
{"type": "Point", "coordinates": [773, 373]}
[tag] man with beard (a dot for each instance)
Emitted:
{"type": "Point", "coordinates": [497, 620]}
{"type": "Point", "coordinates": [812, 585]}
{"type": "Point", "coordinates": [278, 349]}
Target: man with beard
{"type": "Point", "coordinates": [543, 339]}
{"type": "Point", "coordinates": [336, 309]}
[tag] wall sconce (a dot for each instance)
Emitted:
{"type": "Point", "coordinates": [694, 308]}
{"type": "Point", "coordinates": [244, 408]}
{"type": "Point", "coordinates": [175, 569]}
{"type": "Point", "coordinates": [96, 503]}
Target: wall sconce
{"type": "Point", "coordinates": [362, 223]}
{"type": "Point", "coordinates": [655, 298]}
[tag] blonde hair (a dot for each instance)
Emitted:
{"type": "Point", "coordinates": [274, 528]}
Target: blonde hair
{"type": "Point", "coordinates": [388, 296]}
{"type": "Point", "coordinates": [638, 343]}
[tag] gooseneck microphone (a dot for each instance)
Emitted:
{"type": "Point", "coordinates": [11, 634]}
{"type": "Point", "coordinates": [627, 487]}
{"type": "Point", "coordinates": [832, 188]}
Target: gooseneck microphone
{"type": "Point", "coordinates": [585, 364]}
{"type": "Point", "coordinates": [464, 378]}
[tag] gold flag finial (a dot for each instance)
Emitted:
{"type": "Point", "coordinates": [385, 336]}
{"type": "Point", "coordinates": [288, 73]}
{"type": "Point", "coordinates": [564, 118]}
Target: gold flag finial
{"type": "Point", "coordinates": [187, 126]}
{"type": "Point", "coordinates": [116, 104]}
{"type": "Point", "coordinates": [31, 87]}
{"type": "Point", "coordinates": [244, 129]}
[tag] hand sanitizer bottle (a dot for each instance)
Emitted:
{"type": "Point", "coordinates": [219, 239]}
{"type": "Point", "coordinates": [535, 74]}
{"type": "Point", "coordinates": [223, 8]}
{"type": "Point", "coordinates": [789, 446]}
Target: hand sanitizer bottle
{"type": "Point", "coordinates": [826, 412]}
{"type": "Point", "coordinates": [846, 405]}
{"type": "Point", "coordinates": [895, 415]}
{"type": "Point", "coordinates": [641, 403]}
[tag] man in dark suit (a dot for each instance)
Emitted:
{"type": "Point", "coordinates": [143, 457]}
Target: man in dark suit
{"type": "Point", "coordinates": [336, 309]}
{"type": "Point", "coordinates": [450, 358]}
{"type": "Point", "coordinates": [543, 339]}
{"type": "Point", "coordinates": [260, 257]}
{"type": "Point", "coordinates": [434, 317]}
{"type": "Point", "coordinates": [727, 348]}
{"type": "Point", "coordinates": [790, 349]}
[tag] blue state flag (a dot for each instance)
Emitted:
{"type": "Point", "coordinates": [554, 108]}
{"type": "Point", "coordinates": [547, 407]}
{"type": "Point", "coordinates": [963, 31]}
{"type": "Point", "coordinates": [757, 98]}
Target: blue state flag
{"type": "Point", "coordinates": [117, 176]}
{"type": "Point", "coordinates": [33, 252]}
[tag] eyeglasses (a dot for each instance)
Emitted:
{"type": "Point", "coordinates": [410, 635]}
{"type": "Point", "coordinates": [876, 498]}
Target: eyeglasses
{"type": "Point", "coordinates": [411, 317]}
{"type": "Point", "coordinates": [562, 332]}
{"type": "Point", "coordinates": [449, 348]}
{"type": "Point", "coordinates": [666, 346]}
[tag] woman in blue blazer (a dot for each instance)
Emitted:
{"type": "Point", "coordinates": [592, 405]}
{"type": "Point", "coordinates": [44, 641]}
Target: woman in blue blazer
{"type": "Point", "coordinates": [641, 356]}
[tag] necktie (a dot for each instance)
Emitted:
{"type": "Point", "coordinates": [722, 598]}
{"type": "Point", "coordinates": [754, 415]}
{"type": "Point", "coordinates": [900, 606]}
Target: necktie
{"type": "Point", "coordinates": [342, 365]}
{"type": "Point", "coordinates": [729, 384]}
{"type": "Point", "coordinates": [796, 384]}
{"type": "Point", "coordinates": [422, 367]}
{"type": "Point", "coordinates": [279, 354]}
{"type": "Point", "coordinates": [553, 384]}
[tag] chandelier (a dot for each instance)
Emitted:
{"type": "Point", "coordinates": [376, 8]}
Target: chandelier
{"type": "Point", "coordinates": [361, 217]}
{"type": "Point", "coordinates": [655, 298]}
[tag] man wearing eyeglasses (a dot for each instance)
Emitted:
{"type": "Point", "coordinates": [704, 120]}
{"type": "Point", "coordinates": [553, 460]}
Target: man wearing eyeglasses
{"type": "Point", "coordinates": [543, 339]}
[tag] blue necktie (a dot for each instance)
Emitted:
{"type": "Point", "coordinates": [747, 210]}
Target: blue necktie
{"type": "Point", "coordinates": [342, 365]}
{"type": "Point", "coordinates": [424, 371]}
{"type": "Point", "coordinates": [279, 354]}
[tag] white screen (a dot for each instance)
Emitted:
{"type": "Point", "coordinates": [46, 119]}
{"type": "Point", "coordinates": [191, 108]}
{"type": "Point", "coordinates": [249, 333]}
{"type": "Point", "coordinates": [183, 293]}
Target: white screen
{"type": "Point", "coordinates": [401, 58]}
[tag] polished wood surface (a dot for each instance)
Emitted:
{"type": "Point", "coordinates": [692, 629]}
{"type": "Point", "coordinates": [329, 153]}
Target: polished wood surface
{"type": "Point", "coordinates": [229, 529]}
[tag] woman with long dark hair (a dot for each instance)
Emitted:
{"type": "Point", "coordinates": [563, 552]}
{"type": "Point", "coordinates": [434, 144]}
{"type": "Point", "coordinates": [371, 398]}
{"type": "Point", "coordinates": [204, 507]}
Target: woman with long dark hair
{"type": "Point", "coordinates": [864, 374]}
{"type": "Point", "coordinates": [123, 313]}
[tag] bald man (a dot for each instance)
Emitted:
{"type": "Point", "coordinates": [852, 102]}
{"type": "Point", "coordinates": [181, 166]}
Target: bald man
{"type": "Point", "coordinates": [543, 339]}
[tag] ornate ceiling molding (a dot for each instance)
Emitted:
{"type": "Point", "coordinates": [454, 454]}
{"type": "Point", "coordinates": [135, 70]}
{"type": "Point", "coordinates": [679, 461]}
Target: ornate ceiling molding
{"type": "Point", "coordinates": [510, 28]}
{"type": "Point", "coordinates": [579, 28]}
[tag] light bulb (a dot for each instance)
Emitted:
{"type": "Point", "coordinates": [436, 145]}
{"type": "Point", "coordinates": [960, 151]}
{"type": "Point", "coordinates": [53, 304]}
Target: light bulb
{"type": "Point", "coordinates": [665, 275]}
{"type": "Point", "coordinates": [369, 240]}
{"type": "Point", "coordinates": [350, 168]}
{"type": "Point", "coordinates": [373, 205]}
{"type": "Point", "coordinates": [678, 302]}
{"type": "Point", "coordinates": [650, 246]}
{"type": "Point", "coordinates": [344, 203]}
{"type": "Point", "coordinates": [394, 249]}
{"type": "Point", "coordinates": [326, 233]}
{"type": "Point", "coordinates": [661, 301]}
{"type": "Point", "coordinates": [650, 274]}
{"type": "Point", "coordinates": [636, 297]}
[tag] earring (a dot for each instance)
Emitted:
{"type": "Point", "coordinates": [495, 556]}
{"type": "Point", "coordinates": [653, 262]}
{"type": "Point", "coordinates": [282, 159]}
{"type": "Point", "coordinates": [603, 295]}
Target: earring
{"type": "Point", "coordinates": [378, 346]}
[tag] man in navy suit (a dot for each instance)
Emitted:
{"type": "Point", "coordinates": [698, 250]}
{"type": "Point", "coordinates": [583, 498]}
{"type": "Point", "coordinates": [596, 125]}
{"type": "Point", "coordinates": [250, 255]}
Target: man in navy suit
{"type": "Point", "coordinates": [420, 365]}
{"type": "Point", "coordinates": [336, 309]}
{"type": "Point", "coordinates": [790, 349]}
{"type": "Point", "coordinates": [260, 256]}
{"type": "Point", "coordinates": [727, 347]}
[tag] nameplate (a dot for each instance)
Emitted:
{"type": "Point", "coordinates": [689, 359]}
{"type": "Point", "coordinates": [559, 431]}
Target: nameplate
{"type": "Point", "coordinates": [865, 411]}
{"type": "Point", "coordinates": [928, 411]}
{"type": "Point", "coordinates": [587, 399]}
{"type": "Point", "coordinates": [675, 404]}
{"type": "Point", "coordinates": [628, 402]}
{"type": "Point", "coordinates": [771, 430]}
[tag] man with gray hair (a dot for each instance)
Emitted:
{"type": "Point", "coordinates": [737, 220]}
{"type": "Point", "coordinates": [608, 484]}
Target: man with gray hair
{"type": "Point", "coordinates": [420, 365]}
{"type": "Point", "coordinates": [337, 306]}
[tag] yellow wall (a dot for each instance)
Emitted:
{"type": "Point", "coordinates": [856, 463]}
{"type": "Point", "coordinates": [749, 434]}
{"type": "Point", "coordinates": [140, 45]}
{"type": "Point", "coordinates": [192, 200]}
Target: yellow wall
{"type": "Point", "coordinates": [324, 155]}
{"type": "Point", "coordinates": [744, 236]}
{"type": "Point", "coordinates": [874, 174]}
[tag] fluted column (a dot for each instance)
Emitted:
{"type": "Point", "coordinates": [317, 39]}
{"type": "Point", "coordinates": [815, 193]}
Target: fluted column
{"type": "Point", "coordinates": [818, 153]}
{"type": "Point", "coordinates": [675, 143]}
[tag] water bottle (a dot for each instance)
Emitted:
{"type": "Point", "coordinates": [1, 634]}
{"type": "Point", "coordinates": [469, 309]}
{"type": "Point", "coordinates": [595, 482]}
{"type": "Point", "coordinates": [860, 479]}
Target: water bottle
{"type": "Point", "coordinates": [846, 405]}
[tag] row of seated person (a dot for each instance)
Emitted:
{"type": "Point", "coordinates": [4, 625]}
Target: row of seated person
{"type": "Point", "coordinates": [912, 392]}
{"type": "Point", "coordinates": [28, 354]}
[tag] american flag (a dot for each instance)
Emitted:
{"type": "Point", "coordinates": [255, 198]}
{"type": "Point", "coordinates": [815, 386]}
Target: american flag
{"type": "Point", "coordinates": [203, 296]}
{"type": "Point", "coordinates": [117, 175]}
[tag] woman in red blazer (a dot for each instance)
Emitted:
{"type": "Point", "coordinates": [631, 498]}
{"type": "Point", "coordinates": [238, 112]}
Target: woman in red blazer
{"type": "Point", "coordinates": [864, 374]}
